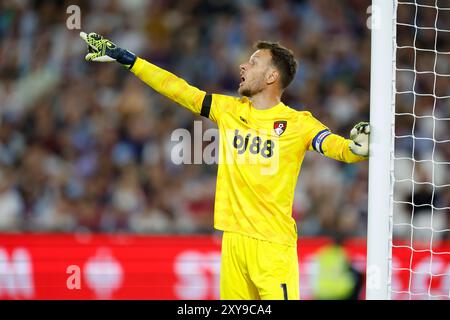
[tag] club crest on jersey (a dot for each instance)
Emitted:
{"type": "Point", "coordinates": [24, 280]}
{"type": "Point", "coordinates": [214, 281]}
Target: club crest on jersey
{"type": "Point", "coordinates": [279, 127]}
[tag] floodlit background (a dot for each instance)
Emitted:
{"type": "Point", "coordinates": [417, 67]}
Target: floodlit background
{"type": "Point", "coordinates": [85, 147]}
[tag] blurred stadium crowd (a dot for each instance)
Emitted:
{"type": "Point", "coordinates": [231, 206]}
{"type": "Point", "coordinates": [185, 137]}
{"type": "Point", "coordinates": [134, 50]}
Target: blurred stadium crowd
{"type": "Point", "coordinates": [86, 147]}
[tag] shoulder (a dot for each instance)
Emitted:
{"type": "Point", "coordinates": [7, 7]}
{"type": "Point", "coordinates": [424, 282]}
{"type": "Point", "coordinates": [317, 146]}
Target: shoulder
{"type": "Point", "coordinates": [229, 99]}
{"type": "Point", "coordinates": [306, 117]}
{"type": "Point", "coordinates": [299, 116]}
{"type": "Point", "coordinates": [305, 120]}
{"type": "Point", "coordinates": [221, 104]}
{"type": "Point", "coordinates": [228, 102]}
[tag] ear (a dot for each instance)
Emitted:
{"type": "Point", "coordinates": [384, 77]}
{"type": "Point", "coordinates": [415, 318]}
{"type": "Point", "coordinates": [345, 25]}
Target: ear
{"type": "Point", "coordinates": [272, 75]}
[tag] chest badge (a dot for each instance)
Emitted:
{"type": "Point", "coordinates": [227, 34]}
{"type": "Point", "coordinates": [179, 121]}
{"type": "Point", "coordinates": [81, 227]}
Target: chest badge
{"type": "Point", "coordinates": [279, 127]}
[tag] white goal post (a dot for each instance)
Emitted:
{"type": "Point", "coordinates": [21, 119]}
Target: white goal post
{"type": "Point", "coordinates": [409, 165]}
{"type": "Point", "coordinates": [381, 144]}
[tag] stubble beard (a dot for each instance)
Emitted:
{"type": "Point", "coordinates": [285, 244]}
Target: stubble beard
{"type": "Point", "coordinates": [245, 92]}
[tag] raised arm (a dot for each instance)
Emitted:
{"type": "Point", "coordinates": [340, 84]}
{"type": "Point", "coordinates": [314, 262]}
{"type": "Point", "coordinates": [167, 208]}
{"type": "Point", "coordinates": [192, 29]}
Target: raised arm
{"type": "Point", "coordinates": [169, 85]}
{"type": "Point", "coordinates": [162, 81]}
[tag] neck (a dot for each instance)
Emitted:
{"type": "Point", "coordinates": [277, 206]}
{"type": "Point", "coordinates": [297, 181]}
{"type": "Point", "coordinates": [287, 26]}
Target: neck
{"type": "Point", "coordinates": [265, 100]}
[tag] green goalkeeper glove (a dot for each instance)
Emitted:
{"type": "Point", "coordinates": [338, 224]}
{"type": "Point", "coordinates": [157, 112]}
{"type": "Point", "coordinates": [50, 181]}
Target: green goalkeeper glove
{"type": "Point", "coordinates": [103, 50]}
{"type": "Point", "coordinates": [360, 139]}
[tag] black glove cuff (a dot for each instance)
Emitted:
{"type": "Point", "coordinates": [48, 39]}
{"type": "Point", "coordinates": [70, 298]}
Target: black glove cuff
{"type": "Point", "coordinates": [126, 57]}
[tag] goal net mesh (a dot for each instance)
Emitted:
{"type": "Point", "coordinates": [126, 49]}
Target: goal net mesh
{"type": "Point", "coordinates": [420, 222]}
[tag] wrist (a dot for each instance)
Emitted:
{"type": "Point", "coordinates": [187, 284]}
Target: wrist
{"type": "Point", "coordinates": [126, 58]}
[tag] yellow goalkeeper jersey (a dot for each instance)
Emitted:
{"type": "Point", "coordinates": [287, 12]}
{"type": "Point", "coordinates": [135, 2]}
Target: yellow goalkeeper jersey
{"type": "Point", "coordinates": [260, 155]}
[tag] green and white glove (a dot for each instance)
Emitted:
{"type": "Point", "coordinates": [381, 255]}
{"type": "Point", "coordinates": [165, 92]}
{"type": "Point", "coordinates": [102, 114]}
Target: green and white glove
{"type": "Point", "coordinates": [103, 50]}
{"type": "Point", "coordinates": [360, 139]}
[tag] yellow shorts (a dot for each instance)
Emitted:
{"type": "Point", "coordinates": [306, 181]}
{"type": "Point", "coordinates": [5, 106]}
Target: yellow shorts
{"type": "Point", "coordinates": [253, 269]}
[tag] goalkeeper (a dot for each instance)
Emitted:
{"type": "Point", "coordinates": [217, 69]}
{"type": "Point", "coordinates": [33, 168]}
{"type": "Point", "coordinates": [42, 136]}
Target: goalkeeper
{"type": "Point", "coordinates": [252, 207]}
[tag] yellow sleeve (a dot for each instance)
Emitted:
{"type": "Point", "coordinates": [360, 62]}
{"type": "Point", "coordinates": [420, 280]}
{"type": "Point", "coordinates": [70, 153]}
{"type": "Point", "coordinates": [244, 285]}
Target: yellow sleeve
{"type": "Point", "coordinates": [169, 85]}
{"type": "Point", "coordinates": [322, 140]}
{"type": "Point", "coordinates": [337, 147]}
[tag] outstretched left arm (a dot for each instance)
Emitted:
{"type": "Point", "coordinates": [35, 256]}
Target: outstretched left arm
{"type": "Point", "coordinates": [336, 147]}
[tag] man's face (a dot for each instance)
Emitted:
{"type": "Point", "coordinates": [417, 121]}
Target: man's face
{"type": "Point", "coordinates": [254, 73]}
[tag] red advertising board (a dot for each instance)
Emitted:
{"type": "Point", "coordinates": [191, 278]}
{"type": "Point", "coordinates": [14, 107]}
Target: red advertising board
{"type": "Point", "coordinates": [98, 266]}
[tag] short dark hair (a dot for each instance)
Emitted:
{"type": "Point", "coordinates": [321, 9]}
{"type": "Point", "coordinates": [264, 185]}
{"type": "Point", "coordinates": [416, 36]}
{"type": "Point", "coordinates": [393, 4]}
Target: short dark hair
{"type": "Point", "coordinates": [282, 58]}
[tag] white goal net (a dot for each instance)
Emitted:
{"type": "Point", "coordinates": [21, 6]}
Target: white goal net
{"type": "Point", "coordinates": [420, 162]}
